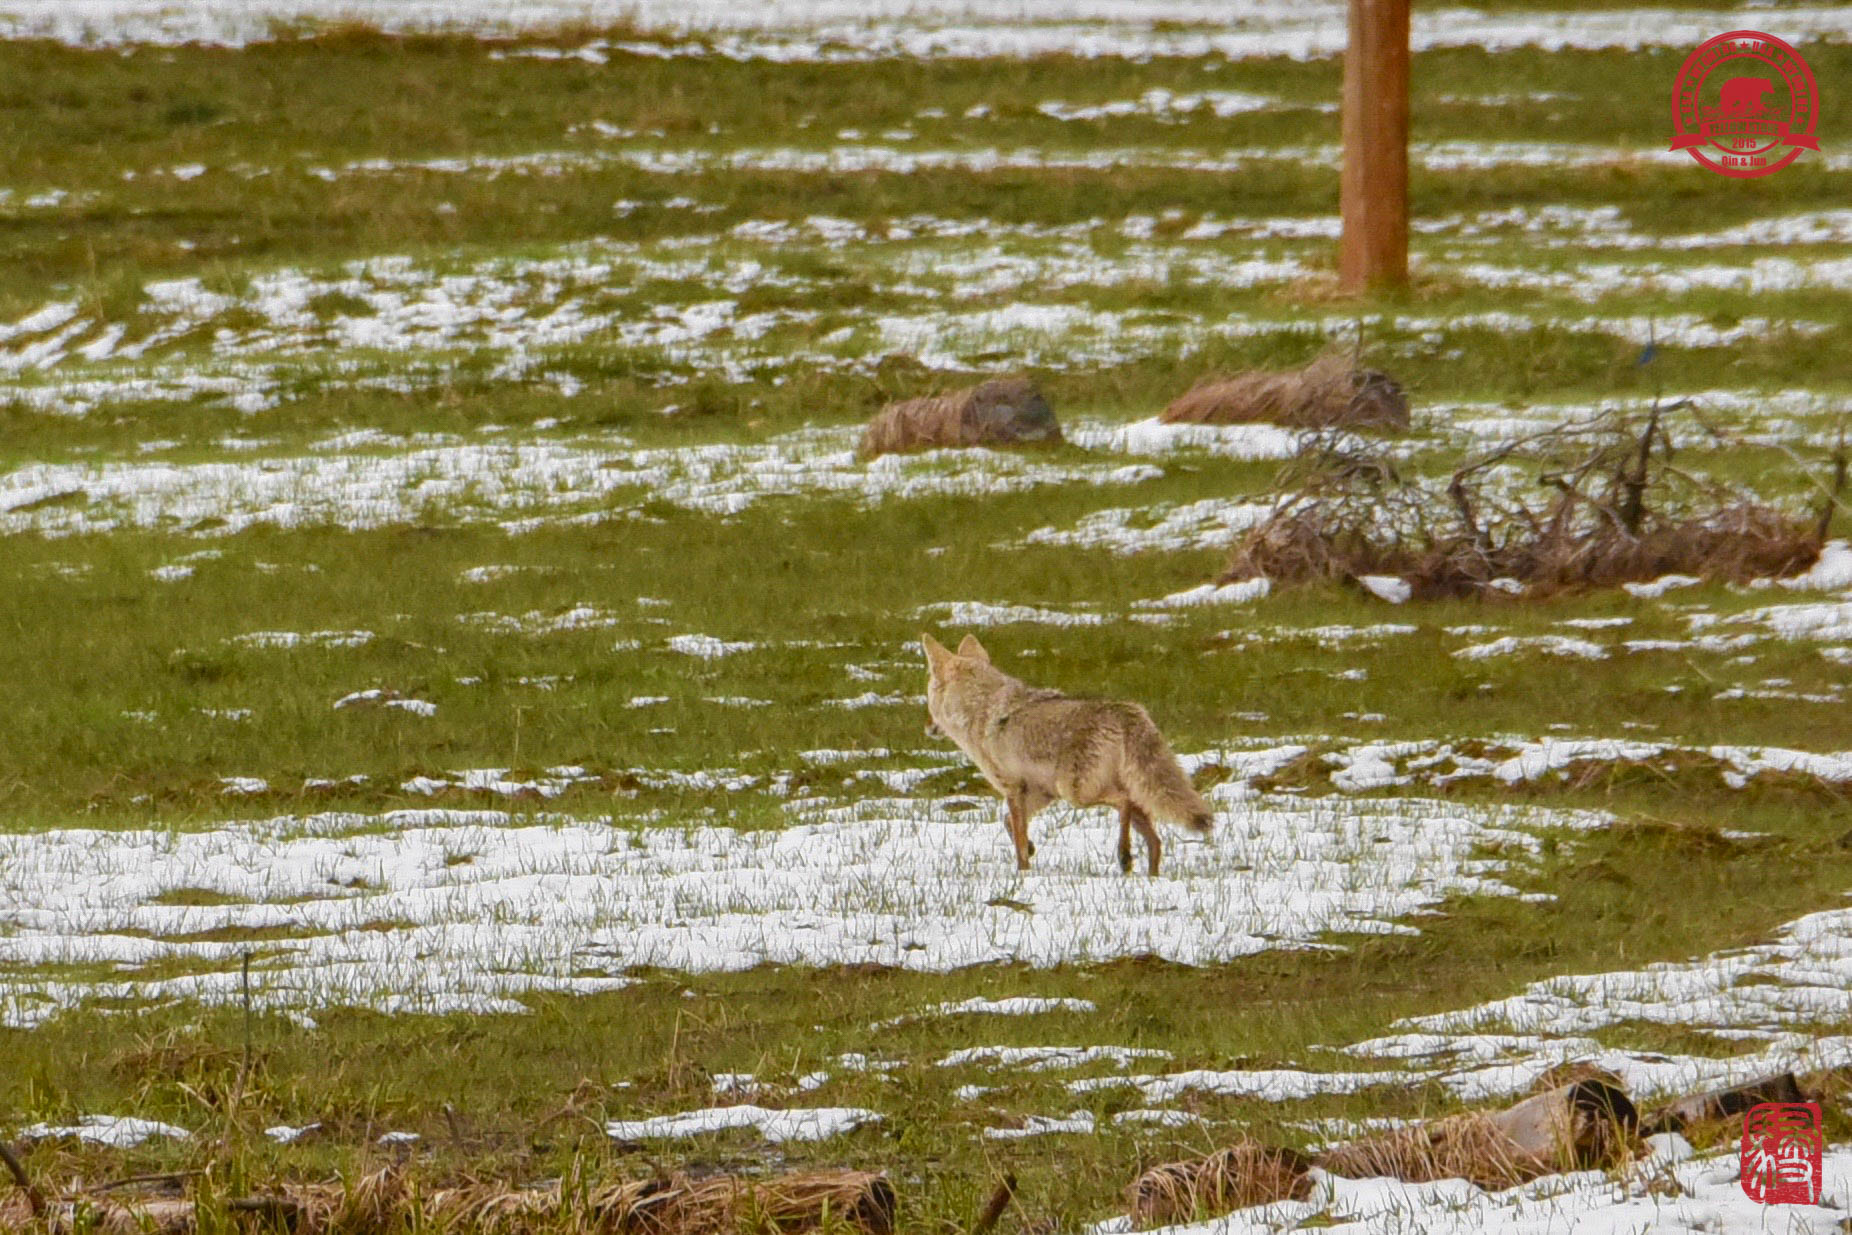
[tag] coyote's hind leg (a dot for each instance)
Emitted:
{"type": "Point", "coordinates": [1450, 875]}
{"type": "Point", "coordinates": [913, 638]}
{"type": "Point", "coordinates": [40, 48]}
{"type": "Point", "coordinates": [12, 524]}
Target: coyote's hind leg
{"type": "Point", "coordinates": [1131, 817]}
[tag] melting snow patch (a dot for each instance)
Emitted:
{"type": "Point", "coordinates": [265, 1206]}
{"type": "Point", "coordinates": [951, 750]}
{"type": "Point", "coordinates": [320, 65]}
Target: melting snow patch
{"type": "Point", "coordinates": [1240, 592]}
{"type": "Point", "coordinates": [1266, 1084]}
{"type": "Point", "coordinates": [978, 613]}
{"type": "Point", "coordinates": [284, 1134]}
{"type": "Point", "coordinates": [788, 31]}
{"type": "Point", "coordinates": [1212, 523]}
{"type": "Point", "coordinates": [1371, 767]}
{"type": "Point", "coordinates": [1831, 573]}
{"type": "Point", "coordinates": [1772, 994]}
{"type": "Point", "coordinates": [1692, 1197]}
{"type": "Point", "coordinates": [539, 622]}
{"type": "Point", "coordinates": [1387, 587]}
{"type": "Point", "coordinates": [376, 697]}
{"type": "Point", "coordinates": [829, 757]}
{"type": "Point", "coordinates": [1660, 586]}
{"type": "Point", "coordinates": [1044, 1058]}
{"type": "Point", "coordinates": [872, 699]}
{"type": "Point", "coordinates": [807, 1124]}
{"type": "Point", "coordinates": [1550, 645]}
{"type": "Point", "coordinates": [1825, 620]}
{"type": "Point", "coordinates": [1019, 1005]}
{"type": "Point", "coordinates": [311, 638]}
{"type": "Point", "coordinates": [522, 485]}
{"type": "Point", "coordinates": [1078, 1122]}
{"type": "Point", "coordinates": [1153, 437]}
{"type": "Point", "coordinates": [1159, 1118]}
{"type": "Point", "coordinates": [707, 647]}
{"type": "Point", "coordinates": [117, 1131]}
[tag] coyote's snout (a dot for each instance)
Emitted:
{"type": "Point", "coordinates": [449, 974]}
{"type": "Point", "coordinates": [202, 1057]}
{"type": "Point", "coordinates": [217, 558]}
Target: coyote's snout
{"type": "Point", "coordinates": [1035, 745]}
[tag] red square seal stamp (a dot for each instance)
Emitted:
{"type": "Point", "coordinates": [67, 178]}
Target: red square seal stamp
{"type": "Point", "coordinates": [1781, 1153]}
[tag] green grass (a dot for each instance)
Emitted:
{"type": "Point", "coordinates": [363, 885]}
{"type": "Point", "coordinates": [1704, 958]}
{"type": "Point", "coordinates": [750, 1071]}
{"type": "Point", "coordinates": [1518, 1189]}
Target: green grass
{"type": "Point", "coordinates": [804, 572]}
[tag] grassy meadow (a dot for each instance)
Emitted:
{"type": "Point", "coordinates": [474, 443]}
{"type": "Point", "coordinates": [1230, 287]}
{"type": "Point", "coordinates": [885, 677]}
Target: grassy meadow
{"type": "Point", "coordinates": [517, 379]}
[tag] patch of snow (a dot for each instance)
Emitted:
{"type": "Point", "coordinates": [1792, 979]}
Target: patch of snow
{"type": "Point", "coordinates": [803, 1124]}
{"type": "Point", "coordinates": [1077, 1122]}
{"type": "Point", "coordinates": [1387, 587]}
{"type": "Point", "coordinates": [116, 1131]}
{"type": "Point", "coordinates": [1832, 573]}
{"type": "Point", "coordinates": [1044, 1058]}
{"type": "Point", "coordinates": [484, 907]}
{"type": "Point", "coordinates": [980, 613]}
{"type": "Point", "coordinates": [1549, 645]}
{"type": "Point", "coordinates": [707, 647]}
{"type": "Point", "coordinates": [1240, 592]}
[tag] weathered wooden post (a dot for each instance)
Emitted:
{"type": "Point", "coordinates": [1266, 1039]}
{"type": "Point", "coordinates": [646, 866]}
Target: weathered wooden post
{"type": "Point", "coordinates": [1373, 188]}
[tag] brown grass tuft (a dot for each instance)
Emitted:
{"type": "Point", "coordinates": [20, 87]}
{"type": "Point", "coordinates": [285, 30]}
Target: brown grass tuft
{"type": "Point", "coordinates": [1470, 1146]}
{"type": "Point", "coordinates": [388, 1202]}
{"type": "Point", "coordinates": [1246, 1173]}
{"type": "Point", "coordinates": [1002, 412]}
{"type": "Point", "coordinates": [678, 1205]}
{"type": "Point", "coordinates": [1328, 393]}
{"type": "Point", "coordinates": [1586, 1124]}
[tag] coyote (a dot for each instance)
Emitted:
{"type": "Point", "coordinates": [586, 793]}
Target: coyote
{"type": "Point", "coordinates": [1036, 745]}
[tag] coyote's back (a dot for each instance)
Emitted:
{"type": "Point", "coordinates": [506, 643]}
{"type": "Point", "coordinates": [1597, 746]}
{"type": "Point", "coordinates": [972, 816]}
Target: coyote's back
{"type": "Point", "coordinates": [1035, 745]}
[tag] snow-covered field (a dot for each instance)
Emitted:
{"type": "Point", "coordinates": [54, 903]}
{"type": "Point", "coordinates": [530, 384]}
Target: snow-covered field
{"type": "Point", "coordinates": [797, 30]}
{"type": "Point", "coordinates": [443, 909]}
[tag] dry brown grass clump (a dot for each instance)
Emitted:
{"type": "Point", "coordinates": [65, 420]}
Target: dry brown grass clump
{"type": "Point", "coordinates": [1613, 509]}
{"type": "Point", "coordinates": [1002, 412]}
{"type": "Point", "coordinates": [1331, 392]}
{"type": "Point", "coordinates": [1246, 1173]}
{"type": "Point", "coordinates": [724, 1203]}
{"type": "Point", "coordinates": [1470, 1146]}
{"type": "Point", "coordinates": [1575, 1127]}
{"type": "Point", "coordinates": [389, 1203]}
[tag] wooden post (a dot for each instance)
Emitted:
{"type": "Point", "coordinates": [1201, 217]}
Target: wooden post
{"type": "Point", "coordinates": [1373, 188]}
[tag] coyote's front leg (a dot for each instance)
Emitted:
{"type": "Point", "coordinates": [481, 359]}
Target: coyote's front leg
{"type": "Point", "coordinates": [1023, 803]}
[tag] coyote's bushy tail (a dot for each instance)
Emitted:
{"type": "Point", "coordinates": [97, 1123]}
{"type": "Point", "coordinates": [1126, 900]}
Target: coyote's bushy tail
{"type": "Point", "coordinates": [1156, 783]}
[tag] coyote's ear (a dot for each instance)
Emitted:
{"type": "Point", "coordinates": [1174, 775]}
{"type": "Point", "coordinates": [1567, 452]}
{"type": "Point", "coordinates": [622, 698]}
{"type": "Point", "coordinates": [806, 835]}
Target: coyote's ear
{"type": "Point", "coordinates": [936, 654]}
{"type": "Point", "coordinates": [971, 647]}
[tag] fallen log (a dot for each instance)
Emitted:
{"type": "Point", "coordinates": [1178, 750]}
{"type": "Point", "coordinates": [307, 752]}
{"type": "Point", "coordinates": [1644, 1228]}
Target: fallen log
{"type": "Point", "coordinates": [1722, 1103]}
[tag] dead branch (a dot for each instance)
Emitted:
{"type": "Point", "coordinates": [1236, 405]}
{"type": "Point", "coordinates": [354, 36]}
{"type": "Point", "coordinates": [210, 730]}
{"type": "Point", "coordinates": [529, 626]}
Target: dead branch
{"type": "Point", "coordinates": [17, 1170]}
{"type": "Point", "coordinates": [993, 1208]}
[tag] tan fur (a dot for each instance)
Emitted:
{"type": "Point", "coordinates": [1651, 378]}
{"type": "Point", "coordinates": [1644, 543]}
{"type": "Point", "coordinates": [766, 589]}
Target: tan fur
{"type": "Point", "coordinates": [1036, 745]}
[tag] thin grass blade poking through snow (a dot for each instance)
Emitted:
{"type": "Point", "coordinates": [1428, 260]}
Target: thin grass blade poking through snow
{"type": "Point", "coordinates": [1617, 511]}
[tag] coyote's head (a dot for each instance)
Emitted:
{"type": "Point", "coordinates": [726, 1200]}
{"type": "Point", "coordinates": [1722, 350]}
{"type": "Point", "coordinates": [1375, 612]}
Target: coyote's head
{"type": "Point", "coordinates": [950, 679]}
